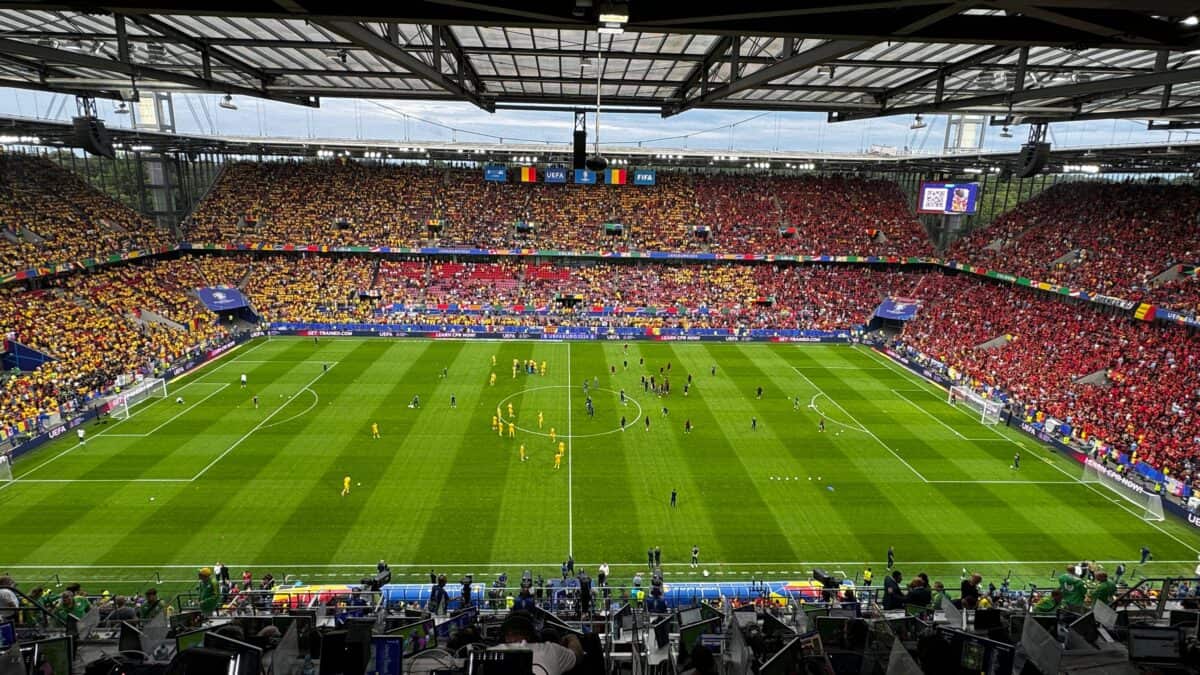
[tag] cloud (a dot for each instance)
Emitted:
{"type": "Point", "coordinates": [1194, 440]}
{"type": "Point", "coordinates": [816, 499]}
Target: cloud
{"type": "Point", "coordinates": [417, 121]}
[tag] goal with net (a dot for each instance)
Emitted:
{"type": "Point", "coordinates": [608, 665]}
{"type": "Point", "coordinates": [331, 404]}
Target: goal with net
{"type": "Point", "coordinates": [146, 389]}
{"type": "Point", "coordinates": [5, 469]}
{"type": "Point", "coordinates": [1147, 503]}
{"type": "Point", "coordinates": [988, 409]}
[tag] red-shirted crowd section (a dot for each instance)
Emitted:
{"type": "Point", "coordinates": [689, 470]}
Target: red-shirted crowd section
{"type": "Point", "coordinates": [1133, 241]}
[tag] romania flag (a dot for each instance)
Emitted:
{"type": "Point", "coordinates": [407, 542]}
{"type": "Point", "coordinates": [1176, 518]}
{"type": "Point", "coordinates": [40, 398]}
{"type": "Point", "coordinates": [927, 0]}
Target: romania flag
{"type": "Point", "coordinates": [529, 174]}
{"type": "Point", "coordinates": [615, 176]}
{"type": "Point", "coordinates": [1144, 312]}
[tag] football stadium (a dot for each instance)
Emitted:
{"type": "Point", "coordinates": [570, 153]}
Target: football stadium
{"type": "Point", "coordinates": [599, 336]}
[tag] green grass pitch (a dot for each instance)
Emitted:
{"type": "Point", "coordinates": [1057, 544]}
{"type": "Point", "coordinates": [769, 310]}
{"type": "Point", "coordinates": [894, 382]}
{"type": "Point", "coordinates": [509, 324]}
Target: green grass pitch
{"type": "Point", "coordinates": [181, 485]}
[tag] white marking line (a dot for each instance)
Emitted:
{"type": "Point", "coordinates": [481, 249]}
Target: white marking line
{"type": "Point", "coordinates": [175, 416]}
{"type": "Point", "coordinates": [812, 403]}
{"type": "Point", "coordinates": [104, 480]}
{"type": "Point", "coordinates": [259, 425]}
{"type": "Point", "coordinates": [426, 566]}
{"type": "Point", "coordinates": [864, 429]}
{"type": "Point", "coordinates": [570, 454]}
{"type": "Point", "coordinates": [913, 377]}
{"type": "Point", "coordinates": [140, 410]}
{"type": "Point", "coordinates": [316, 400]}
{"type": "Point", "coordinates": [1002, 482]}
{"type": "Point", "coordinates": [935, 418]}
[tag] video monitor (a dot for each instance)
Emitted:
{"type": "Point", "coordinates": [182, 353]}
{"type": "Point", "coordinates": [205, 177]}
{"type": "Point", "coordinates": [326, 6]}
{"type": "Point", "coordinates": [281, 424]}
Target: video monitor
{"type": "Point", "coordinates": [249, 657]}
{"type": "Point", "coordinates": [785, 661]}
{"type": "Point", "coordinates": [48, 657]}
{"type": "Point", "coordinates": [417, 636]}
{"type": "Point", "coordinates": [194, 638]}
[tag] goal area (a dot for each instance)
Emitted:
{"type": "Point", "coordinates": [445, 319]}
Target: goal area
{"type": "Point", "coordinates": [987, 409]}
{"type": "Point", "coordinates": [150, 388]}
{"type": "Point", "coordinates": [1148, 504]}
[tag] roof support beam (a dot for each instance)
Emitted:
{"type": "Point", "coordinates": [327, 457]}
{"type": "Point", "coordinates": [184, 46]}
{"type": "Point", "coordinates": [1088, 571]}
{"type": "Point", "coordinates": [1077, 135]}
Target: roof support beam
{"type": "Point", "coordinates": [948, 69]}
{"type": "Point", "coordinates": [381, 48]}
{"type": "Point", "coordinates": [1112, 85]}
{"type": "Point", "coordinates": [201, 45]}
{"type": "Point", "coordinates": [137, 72]}
{"type": "Point", "coordinates": [715, 51]}
{"type": "Point", "coordinates": [465, 67]}
{"type": "Point", "coordinates": [805, 59]}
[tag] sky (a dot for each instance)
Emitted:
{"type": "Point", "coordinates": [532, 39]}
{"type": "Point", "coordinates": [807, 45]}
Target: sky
{"type": "Point", "coordinates": [417, 121]}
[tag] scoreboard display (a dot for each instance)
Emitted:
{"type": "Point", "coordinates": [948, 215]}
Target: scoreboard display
{"type": "Point", "coordinates": [948, 198]}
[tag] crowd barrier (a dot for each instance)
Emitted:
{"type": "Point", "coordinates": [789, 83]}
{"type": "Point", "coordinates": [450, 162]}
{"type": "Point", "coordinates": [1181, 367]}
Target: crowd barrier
{"type": "Point", "coordinates": [487, 332]}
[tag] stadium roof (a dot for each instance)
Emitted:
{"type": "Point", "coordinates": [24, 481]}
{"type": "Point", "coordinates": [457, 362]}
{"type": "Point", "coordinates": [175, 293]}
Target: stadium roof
{"type": "Point", "coordinates": [1018, 60]}
{"type": "Point", "coordinates": [1156, 158]}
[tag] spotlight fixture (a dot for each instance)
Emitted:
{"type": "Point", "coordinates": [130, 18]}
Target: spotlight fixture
{"type": "Point", "coordinates": [121, 109]}
{"type": "Point", "coordinates": [917, 123]}
{"type": "Point", "coordinates": [227, 103]}
{"type": "Point", "coordinates": [1005, 132]}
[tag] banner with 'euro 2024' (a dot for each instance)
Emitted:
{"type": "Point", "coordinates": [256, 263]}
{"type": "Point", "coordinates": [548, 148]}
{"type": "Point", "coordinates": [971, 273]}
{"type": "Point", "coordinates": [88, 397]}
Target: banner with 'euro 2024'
{"type": "Point", "coordinates": [222, 299]}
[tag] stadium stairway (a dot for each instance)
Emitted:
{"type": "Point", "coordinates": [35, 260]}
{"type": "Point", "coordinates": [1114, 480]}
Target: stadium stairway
{"type": "Point", "coordinates": [1172, 273]}
{"type": "Point", "coordinates": [151, 316]}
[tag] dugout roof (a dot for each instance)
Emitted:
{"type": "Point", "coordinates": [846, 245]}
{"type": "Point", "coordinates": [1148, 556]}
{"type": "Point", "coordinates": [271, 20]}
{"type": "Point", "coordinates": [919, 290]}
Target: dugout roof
{"type": "Point", "coordinates": [1016, 60]}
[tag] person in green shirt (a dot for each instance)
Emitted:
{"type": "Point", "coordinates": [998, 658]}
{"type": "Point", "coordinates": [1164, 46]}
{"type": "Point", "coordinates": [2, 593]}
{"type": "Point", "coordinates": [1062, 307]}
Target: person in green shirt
{"type": "Point", "coordinates": [1073, 590]}
{"type": "Point", "coordinates": [152, 607]}
{"type": "Point", "coordinates": [69, 607]}
{"type": "Point", "coordinates": [1105, 590]}
{"type": "Point", "coordinates": [939, 595]}
{"type": "Point", "coordinates": [207, 594]}
{"type": "Point", "coordinates": [1050, 603]}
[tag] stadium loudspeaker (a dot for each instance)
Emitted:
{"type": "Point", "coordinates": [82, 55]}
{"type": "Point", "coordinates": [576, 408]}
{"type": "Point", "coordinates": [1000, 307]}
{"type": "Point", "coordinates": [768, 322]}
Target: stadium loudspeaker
{"type": "Point", "coordinates": [596, 163]}
{"type": "Point", "coordinates": [579, 157]}
{"type": "Point", "coordinates": [1032, 158]}
{"type": "Point", "coordinates": [91, 135]}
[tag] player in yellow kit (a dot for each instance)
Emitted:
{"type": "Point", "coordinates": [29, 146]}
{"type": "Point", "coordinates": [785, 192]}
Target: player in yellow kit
{"type": "Point", "coordinates": [495, 421]}
{"type": "Point", "coordinates": [543, 368]}
{"type": "Point", "coordinates": [492, 380]}
{"type": "Point", "coordinates": [374, 429]}
{"type": "Point", "coordinates": [514, 371]}
{"type": "Point", "coordinates": [552, 434]}
{"type": "Point", "coordinates": [512, 430]}
{"type": "Point", "coordinates": [510, 410]}
{"type": "Point", "coordinates": [500, 430]}
{"type": "Point", "coordinates": [346, 486]}
{"type": "Point", "coordinates": [493, 359]}
{"type": "Point", "coordinates": [539, 419]}
{"type": "Point", "coordinates": [562, 447]}
{"type": "Point", "coordinates": [523, 458]}
{"type": "Point", "coordinates": [557, 461]}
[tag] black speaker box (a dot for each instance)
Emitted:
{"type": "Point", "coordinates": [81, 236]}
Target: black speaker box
{"type": "Point", "coordinates": [91, 135]}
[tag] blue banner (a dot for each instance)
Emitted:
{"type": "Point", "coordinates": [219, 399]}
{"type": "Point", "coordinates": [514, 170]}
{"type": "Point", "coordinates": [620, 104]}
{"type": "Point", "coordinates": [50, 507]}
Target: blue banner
{"type": "Point", "coordinates": [897, 309]}
{"type": "Point", "coordinates": [222, 299]}
{"type": "Point", "coordinates": [585, 177]}
{"type": "Point", "coordinates": [555, 174]}
{"type": "Point", "coordinates": [643, 177]}
{"type": "Point", "coordinates": [497, 173]}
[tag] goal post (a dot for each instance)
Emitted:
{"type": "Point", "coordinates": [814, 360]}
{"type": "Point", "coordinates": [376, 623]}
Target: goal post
{"type": "Point", "coordinates": [149, 388]}
{"type": "Point", "coordinates": [988, 409]}
{"type": "Point", "coordinates": [5, 469]}
{"type": "Point", "coordinates": [1149, 504]}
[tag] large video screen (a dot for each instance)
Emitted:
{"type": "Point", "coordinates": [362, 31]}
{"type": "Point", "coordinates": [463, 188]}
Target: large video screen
{"type": "Point", "coordinates": [949, 198]}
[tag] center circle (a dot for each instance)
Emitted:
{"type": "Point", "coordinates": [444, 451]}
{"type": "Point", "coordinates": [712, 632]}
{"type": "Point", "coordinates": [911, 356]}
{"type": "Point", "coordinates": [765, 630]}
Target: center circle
{"type": "Point", "coordinates": [506, 399]}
